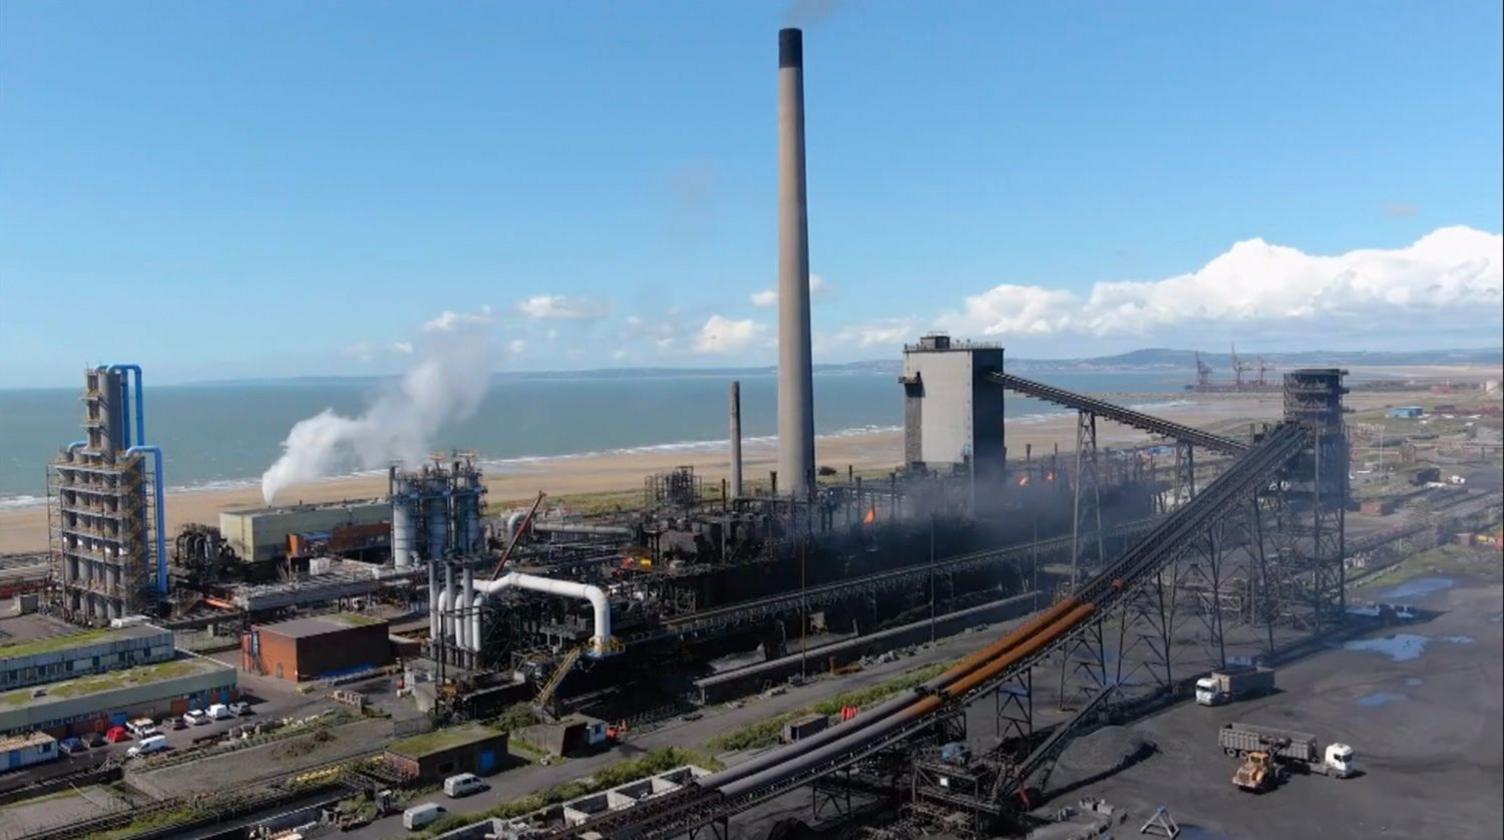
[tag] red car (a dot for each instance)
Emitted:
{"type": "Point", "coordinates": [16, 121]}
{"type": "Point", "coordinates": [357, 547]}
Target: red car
{"type": "Point", "coordinates": [116, 734]}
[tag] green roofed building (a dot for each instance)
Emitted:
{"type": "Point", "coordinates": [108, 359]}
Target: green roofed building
{"type": "Point", "coordinates": [97, 701]}
{"type": "Point", "coordinates": [48, 659]}
{"type": "Point", "coordinates": [432, 756]}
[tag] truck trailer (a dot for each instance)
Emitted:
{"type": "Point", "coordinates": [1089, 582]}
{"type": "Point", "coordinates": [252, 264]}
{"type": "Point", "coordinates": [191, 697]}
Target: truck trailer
{"type": "Point", "coordinates": [1229, 684]}
{"type": "Point", "coordinates": [1286, 747]}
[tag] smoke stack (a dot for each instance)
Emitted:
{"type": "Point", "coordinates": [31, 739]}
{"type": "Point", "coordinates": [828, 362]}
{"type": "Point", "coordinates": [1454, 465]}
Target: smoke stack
{"type": "Point", "coordinates": [796, 390]}
{"type": "Point", "coordinates": [736, 440]}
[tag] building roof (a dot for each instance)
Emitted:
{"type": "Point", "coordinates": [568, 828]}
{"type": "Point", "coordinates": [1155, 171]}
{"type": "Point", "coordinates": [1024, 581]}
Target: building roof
{"type": "Point", "coordinates": [276, 510]}
{"type": "Point", "coordinates": [183, 666]}
{"type": "Point", "coordinates": [319, 625]}
{"type": "Point", "coordinates": [68, 641]}
{"type": "Point", "coordinates": [441, 740]}
{"type": "Point", "coordinates": [28, 739]}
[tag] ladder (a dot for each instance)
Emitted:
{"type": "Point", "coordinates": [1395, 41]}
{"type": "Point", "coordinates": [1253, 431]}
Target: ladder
{"type": "Point", "coordinates": [546, 694]}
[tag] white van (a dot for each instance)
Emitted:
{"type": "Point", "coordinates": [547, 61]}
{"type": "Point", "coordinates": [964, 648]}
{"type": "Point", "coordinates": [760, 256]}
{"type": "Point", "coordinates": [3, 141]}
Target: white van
{"type": "Point", "coordinates": [220, 711]}
{"type": "Point", "coordinates": [464, 784]}
{"type": "Point", "coordinates": [419, 816]}
{"type": "Point", "coordinates": [142, 727]}
{"type": "Point", "coordinates": [153, 744]}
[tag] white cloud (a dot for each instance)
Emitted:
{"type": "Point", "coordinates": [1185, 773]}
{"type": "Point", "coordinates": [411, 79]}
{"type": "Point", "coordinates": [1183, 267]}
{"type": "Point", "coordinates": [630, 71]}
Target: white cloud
{"type": "Point", "coordinates": [885, 334]}
{"type": "Point", "coordinates": [1454, 270]}
{"type": "Point", "coordinates": [768, 298]}
{"type": "Point", "coordinates": [402, 348]}
{"type": "Point", "coordinates": [723, 335]}
{"type": "Point", "coordinates": [449, 320]}
{"type": "Point", "coordinates": [517, 347]}
{"type": "Point", "coordinates": [562, 308]}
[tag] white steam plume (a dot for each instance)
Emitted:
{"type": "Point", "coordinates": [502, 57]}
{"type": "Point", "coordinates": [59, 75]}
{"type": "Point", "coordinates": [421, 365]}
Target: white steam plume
{"type": "Point", "coordinates": [446, 382]}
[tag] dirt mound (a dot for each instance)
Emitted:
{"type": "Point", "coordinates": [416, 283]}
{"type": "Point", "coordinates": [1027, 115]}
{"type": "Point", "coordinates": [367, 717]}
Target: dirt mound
{"type": "Point", "coordinates": [1103, 751]}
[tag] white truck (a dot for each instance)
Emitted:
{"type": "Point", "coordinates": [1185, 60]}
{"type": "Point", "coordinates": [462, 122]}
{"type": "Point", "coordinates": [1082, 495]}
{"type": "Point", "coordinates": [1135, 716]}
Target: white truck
{"type": "Point", "coordinates": [1287, 747]}
{"type": "Point", "coordinates": [1234, 683]}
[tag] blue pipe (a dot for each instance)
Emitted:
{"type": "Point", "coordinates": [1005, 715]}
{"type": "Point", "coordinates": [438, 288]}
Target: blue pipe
{"type": "Point", "coordinates": [125, 399]}
{"type": "Point", "coordinates": [156, 452]}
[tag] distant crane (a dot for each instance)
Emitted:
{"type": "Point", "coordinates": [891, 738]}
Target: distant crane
{"type": "Point", "coordinates": [1239, 367]}
{"type": "Point", "coordinates": [1203, 374]}
{"type": "Point", "coordinates": [1263, 368]}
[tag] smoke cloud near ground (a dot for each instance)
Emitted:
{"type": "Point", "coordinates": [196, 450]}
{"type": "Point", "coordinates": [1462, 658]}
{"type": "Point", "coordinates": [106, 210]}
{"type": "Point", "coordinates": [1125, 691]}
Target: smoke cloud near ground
{"type": "Point", "coordinates": [448, 377]}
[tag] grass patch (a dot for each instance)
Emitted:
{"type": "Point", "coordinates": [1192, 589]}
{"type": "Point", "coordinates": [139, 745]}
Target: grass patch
{"type": "Point", "coordinates": [442, 739]}
{"type": "Point", "coordinates": [148, 822]}
{"type": "Point", "coordinates": [97, 683]}
{"type": "Point", "coordinates": [767, 732]}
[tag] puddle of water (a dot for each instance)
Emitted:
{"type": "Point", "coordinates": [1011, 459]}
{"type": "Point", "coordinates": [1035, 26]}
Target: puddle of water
{"type": "Point", "coordinates": [1379, 698]}
{"type": "Point", "coordinates": [1417, 588]}
{"type": "Point", "coordinates": [1414, 681]}
{"type": "Point", "coordinates": [1403, 647]}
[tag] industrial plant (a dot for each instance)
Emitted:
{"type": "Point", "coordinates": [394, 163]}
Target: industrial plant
{"type": "Point", "coordinates": [1118, 576]}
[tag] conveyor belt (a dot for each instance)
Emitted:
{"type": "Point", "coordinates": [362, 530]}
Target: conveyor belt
{"type": "Point", "coordinates": [900, 718]}
{"type": "Point", "coordinates": [1120, 414]}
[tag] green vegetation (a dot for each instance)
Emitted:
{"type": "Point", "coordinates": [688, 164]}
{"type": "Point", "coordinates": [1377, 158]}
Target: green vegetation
{"type": "Point", "coordinates": [1442, 560]}
{"type": "Point", "coordinates": [152, 821]}
{"type": "Point", "coordinates": [765, 733]}
{"type": "Point", "coordinates": [107, 682]}
{"type": "Point", "coordinates": [443, 739]}
{"type": "Point", "coordinates": [620, 773]}
{"type": "Point", "coordinates": [52, 644]}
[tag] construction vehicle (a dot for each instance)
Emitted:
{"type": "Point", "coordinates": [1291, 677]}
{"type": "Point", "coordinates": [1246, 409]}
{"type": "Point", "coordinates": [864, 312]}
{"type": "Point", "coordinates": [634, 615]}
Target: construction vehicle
{"type": "Point", "coordinates": [1286, 748]}
{"type": "Point", "coordinates": [1258, 772]}
{"type": "Point", "coordinates": [1236, 683]}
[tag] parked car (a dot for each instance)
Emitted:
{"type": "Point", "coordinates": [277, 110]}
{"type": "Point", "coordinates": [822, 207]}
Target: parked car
{"type": "Point", "coordinates": [196, 717]}
{"type": "Point", "coordinates": [116, 734]}
{"type": "Point", "coordinates": [177, 722]}
{"type": "Point", "coordinates": [149, 745]}
{"type": "Point", "coordinates": [419, 816]}
{"type": "Point", "coordinates": [72, 746]}
{"type": "Point", "coordinates": [464, 784]}
{"type": "Point", "coordinates": [220, 711]}
{"type": "Point", "coordinates": [142, 727]}
{"type": "Point", "coordinates": [95, 739]}
{"type": "Point", "coordinates": [241, 708]}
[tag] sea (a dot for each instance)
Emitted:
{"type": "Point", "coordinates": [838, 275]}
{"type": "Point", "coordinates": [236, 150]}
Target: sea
{"type": "Point", "coordinates": [225, 435]}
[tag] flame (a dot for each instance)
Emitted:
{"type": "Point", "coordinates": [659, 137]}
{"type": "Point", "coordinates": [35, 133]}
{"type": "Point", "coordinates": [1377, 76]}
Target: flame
{"type": "Point", "coordinates": [1049, 476]}
{"type": "Point", "coordinates": [1023, 481]}
{"type": "Point", "coordinates": [871, 516]}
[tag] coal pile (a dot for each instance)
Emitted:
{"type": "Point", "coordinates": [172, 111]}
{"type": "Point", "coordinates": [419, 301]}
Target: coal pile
{"type": "Point", "coordinates": [1100, 753]}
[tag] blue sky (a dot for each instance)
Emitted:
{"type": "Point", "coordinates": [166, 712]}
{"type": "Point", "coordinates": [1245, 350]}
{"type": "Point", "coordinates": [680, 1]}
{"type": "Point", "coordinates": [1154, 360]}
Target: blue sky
{"type": "Point", "coordinates": [225, 190]}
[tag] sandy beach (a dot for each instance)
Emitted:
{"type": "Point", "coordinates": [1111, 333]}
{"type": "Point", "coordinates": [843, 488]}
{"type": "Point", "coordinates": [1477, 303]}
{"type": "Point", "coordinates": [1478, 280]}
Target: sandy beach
{"type": "Point", "coordinates": [25, 529]}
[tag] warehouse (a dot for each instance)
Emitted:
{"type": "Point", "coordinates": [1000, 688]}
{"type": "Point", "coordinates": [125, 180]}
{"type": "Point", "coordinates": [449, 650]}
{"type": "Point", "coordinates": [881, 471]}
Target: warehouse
{"type": "Point", "coordinates": [44, 660]}
{"type": "Point", "coordinates": [321, 647]}
{"type": "Point", "coordinates": [93, 703]}
{"type": "Point", "coordinates": [471, 748]}
{"type": "Point", "coordinates": [258, 534]}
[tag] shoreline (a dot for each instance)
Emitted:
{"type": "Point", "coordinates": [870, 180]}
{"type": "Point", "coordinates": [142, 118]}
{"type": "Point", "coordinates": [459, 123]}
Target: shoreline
{"type": "Point", "coordinates": [24, 529]}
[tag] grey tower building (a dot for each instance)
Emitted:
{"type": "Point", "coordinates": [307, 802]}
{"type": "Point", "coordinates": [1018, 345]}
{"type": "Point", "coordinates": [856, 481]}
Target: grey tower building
{"type": "Point", "coordinates": [953, 417]}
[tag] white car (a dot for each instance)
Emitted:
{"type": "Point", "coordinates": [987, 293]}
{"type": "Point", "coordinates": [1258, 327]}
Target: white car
{"type": "Point", "coordinates": [196, 717]}
{"type": "Point", "coordinates": [220, 711]}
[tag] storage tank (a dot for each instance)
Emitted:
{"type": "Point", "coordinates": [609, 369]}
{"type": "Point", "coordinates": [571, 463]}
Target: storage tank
{"type": "Point", "coordinates": [467, 509]}
{"type": "Point", "coordinates": [436, 513]}
{"type": "Point", "coordinates": [404, 520]}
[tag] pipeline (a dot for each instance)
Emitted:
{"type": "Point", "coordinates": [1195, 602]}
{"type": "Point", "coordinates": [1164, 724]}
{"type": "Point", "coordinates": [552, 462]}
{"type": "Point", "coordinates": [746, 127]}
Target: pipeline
{"type": "Point", "coordinates": [161, 514]}
{"type": "Point", "coordinates": [600, 640]}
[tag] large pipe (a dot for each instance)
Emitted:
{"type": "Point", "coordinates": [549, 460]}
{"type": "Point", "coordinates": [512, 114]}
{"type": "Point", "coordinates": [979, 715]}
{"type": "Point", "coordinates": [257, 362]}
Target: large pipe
{"type": "Point", "coordinates": [467, 642]}
{"type": "Point", "coordinates": [735, 490]}
{"type": "Point", "coordinates": [796, 392]}
{"type": "Point", "coordinates": [600, 640]}
{"type": "Point", "coordinates": [433, 602]}
{"type": "Point", "coordinates": [161, 513]}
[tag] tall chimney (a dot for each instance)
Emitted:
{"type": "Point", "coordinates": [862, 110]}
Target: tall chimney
{"type": "Point", "coordinates": [796, 390]}
{"type": "Point", "coordinates": [736, 440]}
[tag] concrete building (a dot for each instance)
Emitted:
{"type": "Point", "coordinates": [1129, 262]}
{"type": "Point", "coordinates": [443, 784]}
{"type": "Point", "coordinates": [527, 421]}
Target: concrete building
{"type": "Point", "coordinates": [25, 750]}
{"type": "Point", "coordinates": [96, 702]}
{"type": "Point", "coordinates": [101, 524]}
{"type": "Point", "coordinates": [318, 647]}
{"type": "Point", "coordinates": [45, 660]}
{"type": "Point", "coordinates": [258, 534]}
{"type": "Point", "coordinates": [470, 748]}
{"type": "Point", "coordinates": [953, 417]}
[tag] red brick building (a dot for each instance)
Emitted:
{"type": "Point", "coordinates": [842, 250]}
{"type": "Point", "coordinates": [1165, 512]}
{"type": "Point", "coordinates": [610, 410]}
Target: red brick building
{"type": "Point", "coordinates": [319, 647]}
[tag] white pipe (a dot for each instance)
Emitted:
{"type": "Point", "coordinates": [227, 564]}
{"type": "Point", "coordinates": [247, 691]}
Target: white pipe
{"type": "Point", "coordinates": [512, 522]}
{"type": "Point", "coordinates": [443, 616]}
{"type": "Point", "coordinates": [475, 604]}
{"type": "Point", "coordinates": [433, 602]}
{"type": "Point", "coordinates": [466, 641]}
{"type": "Point", "coordinates": [452, 590]}
{"type": "Point", "coordinates": [600, 642]}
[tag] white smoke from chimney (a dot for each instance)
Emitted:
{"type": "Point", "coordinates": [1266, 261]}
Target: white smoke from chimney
{"type": "Point", "coordinates": [449, 375]}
